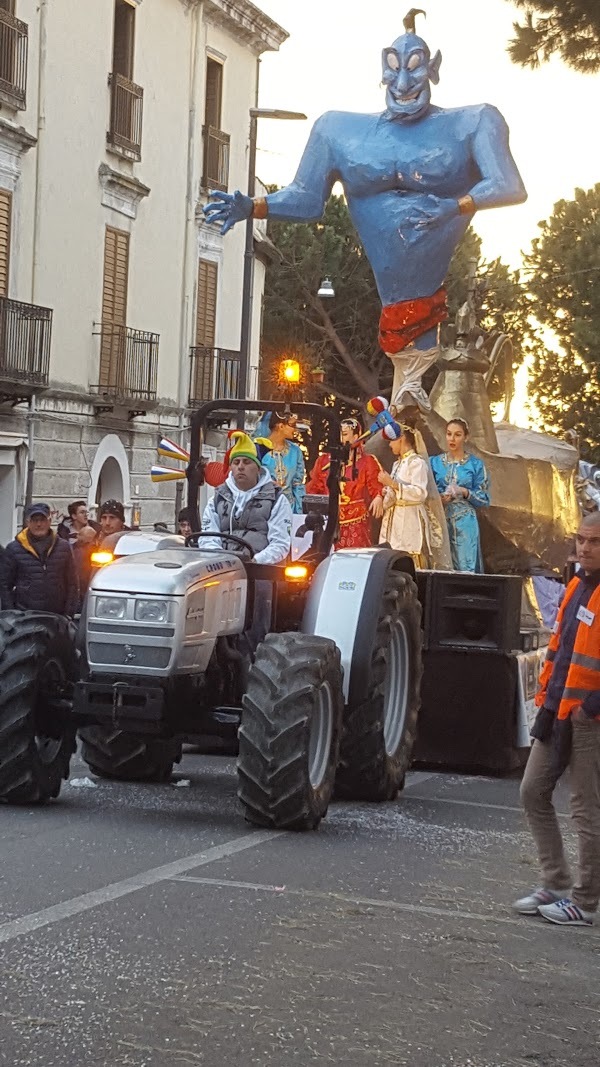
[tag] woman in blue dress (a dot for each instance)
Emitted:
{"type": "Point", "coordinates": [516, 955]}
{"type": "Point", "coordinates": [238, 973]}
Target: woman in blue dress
{"type": "Point", "coordinates": [462, 481]}
{"type": "Point", "coordinates": [285, 462]}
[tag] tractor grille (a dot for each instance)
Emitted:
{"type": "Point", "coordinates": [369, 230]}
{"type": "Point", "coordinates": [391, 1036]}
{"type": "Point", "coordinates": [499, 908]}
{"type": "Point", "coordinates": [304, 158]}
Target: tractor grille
{"type": "Point", "coordinates": [124, 655]}
{"type": "Point", "coordinates": [130, 630]}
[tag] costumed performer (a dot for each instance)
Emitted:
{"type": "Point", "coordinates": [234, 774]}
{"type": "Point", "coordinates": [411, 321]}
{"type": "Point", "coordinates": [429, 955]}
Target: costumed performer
{"type": "Point", "coordinates": [285, 461]}
{"type": "Point", "coordinates": [462, 481]}
{"type": "Point", "coordinates": [406, 523]}
{"type": "Point", "coordinates": [361, 494]}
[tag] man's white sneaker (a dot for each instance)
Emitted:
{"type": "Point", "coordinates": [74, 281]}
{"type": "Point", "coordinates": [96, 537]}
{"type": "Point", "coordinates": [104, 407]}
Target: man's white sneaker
{"type": "Point", "coordinates": [566, 913]}
{"type": "Point", "coordinates": [529, 905]}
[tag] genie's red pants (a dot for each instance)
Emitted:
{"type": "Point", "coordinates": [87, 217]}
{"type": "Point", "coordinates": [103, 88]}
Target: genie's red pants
{"type": "Point", "coordinates": [401, 323]}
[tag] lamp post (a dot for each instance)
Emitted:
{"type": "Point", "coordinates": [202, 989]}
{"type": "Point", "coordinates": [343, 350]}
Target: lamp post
{"type": "Point", "coordinates": [256, 113]}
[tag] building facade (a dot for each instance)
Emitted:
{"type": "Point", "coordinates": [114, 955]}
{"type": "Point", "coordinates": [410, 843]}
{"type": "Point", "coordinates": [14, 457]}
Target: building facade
{"type": "Point", "coordinates": [120, 309]}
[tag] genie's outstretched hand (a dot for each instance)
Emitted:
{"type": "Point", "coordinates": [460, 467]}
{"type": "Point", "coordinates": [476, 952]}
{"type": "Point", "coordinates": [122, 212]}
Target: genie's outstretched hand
{"type": "Point", "coordinates": [228, 208]}
{"type": "Point", "coordinates": [434, 211]}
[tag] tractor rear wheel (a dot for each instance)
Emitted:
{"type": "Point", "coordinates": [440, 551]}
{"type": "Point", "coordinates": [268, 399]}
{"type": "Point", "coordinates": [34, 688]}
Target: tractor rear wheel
{"type": "Point", "coordinates": [290, 731]}
{"type": "Point", "coordinates": [114, 754]}
{"type": "Point", "coordinates": [38, 667]}
{"type": "Point", "coordinates": [379, 733]}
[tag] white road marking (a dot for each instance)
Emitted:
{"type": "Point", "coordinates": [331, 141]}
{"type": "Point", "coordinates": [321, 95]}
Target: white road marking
{"type": "Point", "coordinates": [343, 898]}
{"type": "Point", "coordinates": [257, 886]}
{"type": "Point", "coordinates": [26, 924]}
{"type": "Point", "coordinates": [474, 804]}
{"type": "Point", "coordinates": [414, 778]}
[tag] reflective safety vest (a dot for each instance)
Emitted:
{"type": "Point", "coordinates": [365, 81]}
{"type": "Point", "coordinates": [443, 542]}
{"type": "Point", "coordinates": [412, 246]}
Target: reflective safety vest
{"type": "Point", "coordinates": [583, 676]}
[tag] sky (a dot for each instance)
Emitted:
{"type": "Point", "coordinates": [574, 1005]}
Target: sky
{"type": "Point", "coordinates": [332, 61]}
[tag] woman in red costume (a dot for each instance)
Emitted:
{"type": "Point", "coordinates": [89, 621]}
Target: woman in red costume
{"type": "Point", "coordinates": [360, 489]}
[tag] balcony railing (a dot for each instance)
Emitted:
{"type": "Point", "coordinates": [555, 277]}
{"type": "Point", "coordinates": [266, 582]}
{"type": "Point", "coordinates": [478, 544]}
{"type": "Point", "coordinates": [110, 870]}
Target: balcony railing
{"type": "Point", "coordinates": [13, 59]}
{"type": "Point", "coordinates": [216, 159]}
{"type": "Point", "coordinates": [128, 363]}
{"type": "Point", "coordinates": [25, 333]}
{"type": "Point", "coordinates": [214, 374]}
{"type": "Point", "coordinates": [126, 103]}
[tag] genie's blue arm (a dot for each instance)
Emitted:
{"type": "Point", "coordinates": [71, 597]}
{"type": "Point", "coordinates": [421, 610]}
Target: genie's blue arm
{"type": "Point", "coordinates": [501, 183]}
{"type": "Point", "coordinates": [305, 198]}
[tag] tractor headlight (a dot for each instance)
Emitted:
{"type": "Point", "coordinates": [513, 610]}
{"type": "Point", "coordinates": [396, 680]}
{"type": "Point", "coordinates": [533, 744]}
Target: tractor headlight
{"type": "Point", "coordinates": [152, 610]}
{"type": "Point", "coordinates": [110, 607]}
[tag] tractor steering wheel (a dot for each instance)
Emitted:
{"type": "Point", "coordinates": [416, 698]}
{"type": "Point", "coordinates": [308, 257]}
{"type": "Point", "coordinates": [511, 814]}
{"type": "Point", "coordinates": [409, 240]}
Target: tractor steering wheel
{"type": "Point", "coordinates": [192, 539]}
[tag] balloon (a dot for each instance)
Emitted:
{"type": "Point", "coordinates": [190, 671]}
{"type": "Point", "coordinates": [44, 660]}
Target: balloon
{"type": "Point", "coordinates": [215, 473]}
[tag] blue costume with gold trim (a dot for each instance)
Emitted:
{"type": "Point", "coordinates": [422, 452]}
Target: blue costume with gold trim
{"type": "Point", "coordinates": [461, 514]}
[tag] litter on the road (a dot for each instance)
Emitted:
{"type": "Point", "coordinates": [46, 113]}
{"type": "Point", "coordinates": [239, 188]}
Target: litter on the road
{"type": "Point", "coordinates": [83, 783]}
{"type": "Point", "coordinates": [182, 783]}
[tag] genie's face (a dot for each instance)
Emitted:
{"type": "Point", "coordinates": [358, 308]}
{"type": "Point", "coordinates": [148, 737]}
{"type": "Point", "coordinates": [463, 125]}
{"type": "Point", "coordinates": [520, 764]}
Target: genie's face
{"type": "Point", "coordinates": [408, 71]}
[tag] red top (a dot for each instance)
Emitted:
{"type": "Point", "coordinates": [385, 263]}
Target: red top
{"type": "Point", "coordinates": [356, 494]}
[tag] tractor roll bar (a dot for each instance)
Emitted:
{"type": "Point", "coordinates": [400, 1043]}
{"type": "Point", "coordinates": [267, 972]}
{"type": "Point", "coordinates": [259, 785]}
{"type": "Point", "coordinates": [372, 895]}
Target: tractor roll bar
{"type": "Point", "coordinates": [195, 470]}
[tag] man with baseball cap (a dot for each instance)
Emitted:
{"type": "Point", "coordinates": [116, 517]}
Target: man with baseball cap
{"type": "Point", "coordinates": [249, 505]}
{"type": "Point", "coordinates": [37, 570]}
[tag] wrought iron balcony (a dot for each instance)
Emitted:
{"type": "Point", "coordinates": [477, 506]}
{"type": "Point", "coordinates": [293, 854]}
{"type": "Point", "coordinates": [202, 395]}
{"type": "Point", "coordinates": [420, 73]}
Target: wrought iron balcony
{"type": "Point", "coordinates": [128, 365]}
{"type": "Point", "coordinates": [215, 173]}
{"type": "Point", "coordinates": [25, 333]}
{"type": "Point", "coordinates": [214, 374]}
{"type": "Point", "coordinates": [126, 104]}
{"type": "Point", "coordinates": [13, 59]}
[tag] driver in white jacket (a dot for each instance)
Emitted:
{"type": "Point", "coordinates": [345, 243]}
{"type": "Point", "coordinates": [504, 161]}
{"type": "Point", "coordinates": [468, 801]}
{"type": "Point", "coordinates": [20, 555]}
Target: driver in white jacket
{"type": "Point", "coordinates": [249, 505]}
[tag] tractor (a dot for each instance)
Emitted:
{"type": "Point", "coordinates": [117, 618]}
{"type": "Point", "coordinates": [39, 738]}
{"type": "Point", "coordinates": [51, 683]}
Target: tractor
{"type": "Point", "coordinates": [171, 646]}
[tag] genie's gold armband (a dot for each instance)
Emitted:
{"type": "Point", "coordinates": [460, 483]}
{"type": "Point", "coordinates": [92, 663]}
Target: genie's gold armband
{"type": "Point", "coordinates": [260, 210]}
{"type": "Point", "coordinates": [466, 205]}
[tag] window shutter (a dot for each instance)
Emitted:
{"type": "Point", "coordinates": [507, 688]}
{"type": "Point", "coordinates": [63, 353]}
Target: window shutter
{"type": "Point", "coordinates": [214, 92]}
{"type": "Point", "coordinates": [5, 219]}
{"type": "Point", "coordinates": [114, 304]}
{"type": "Point", "coordinates": [206, 309]}
{"type": "Point", "coordinates": [123, 39]}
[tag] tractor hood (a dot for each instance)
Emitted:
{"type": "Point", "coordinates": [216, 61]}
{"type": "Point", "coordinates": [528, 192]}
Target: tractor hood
{"type": "Point", "coordinates": [165, 572]}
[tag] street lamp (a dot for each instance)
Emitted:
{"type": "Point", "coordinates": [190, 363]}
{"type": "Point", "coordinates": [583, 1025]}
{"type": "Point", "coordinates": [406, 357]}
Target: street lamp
{"type": "Point", "coordinates": [326, 290]}
{"type": "Point", "coordinates": [289, 372]}
{"type": "Point", "coordinates": [256, 113]}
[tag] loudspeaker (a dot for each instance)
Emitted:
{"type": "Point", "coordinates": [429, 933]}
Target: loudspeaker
{"type": "Point", "coordinates": [471, 611]}
{"type": "Point", "coordinates": [468, 711]}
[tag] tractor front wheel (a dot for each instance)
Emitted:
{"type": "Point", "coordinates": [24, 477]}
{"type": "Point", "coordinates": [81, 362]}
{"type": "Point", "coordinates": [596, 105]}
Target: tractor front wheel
{"type": "Point", "coordinates": [290, 731]}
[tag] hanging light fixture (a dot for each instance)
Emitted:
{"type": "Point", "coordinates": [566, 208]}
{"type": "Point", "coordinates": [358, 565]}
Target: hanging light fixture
{"type": "Point", "coordinates": [326, 290]}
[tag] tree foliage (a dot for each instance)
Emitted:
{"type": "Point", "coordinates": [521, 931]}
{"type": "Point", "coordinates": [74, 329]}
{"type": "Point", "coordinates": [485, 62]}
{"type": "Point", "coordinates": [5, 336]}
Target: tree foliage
{"type": "Point", "coordinates": [563, 301]}
{"type": "Point", "coordinates": [340, 335]}
{"type": "Point", "coordinates": [566, 28]}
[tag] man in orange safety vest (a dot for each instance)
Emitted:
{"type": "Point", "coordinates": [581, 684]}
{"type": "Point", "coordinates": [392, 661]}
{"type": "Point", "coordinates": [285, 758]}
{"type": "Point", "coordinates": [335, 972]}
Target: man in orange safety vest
{"type": "Point", "coordinates": [567, 733]}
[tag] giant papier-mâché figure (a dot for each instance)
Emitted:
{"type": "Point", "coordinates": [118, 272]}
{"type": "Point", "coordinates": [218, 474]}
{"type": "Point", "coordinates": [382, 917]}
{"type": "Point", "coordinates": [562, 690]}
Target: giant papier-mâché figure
{"type": "Point", "coordinates": [413, 177]}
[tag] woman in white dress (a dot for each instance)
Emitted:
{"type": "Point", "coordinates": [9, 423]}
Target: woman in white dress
{"type": "Point", "coordinates": [406, 522]}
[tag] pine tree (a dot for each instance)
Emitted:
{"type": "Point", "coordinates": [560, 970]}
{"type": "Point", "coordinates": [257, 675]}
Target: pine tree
{"type": "Point", "coordinates": [566, 28]}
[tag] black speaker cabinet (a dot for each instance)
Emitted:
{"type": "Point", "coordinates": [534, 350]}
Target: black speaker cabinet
{"type": "Point", "coordinates": [471, 610]}
{"type": "Point", "coordinates": [468, 711]}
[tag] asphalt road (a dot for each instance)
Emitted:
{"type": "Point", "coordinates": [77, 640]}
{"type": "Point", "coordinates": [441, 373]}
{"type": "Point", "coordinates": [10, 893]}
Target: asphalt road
{"type": "Point", "coordinates": [149, 926]}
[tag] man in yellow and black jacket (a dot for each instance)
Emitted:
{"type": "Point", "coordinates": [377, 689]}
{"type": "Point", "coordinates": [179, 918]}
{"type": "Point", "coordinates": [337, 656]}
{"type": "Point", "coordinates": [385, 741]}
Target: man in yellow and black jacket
{"type": "Point", "coordinates": [37, 569]}
{"type": "Point", "coordinates": [566, 732]}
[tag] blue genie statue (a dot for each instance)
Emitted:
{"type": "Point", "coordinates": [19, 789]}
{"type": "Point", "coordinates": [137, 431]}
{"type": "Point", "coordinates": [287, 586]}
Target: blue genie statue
{"type": "Point", "coordinates": [413, 177]}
